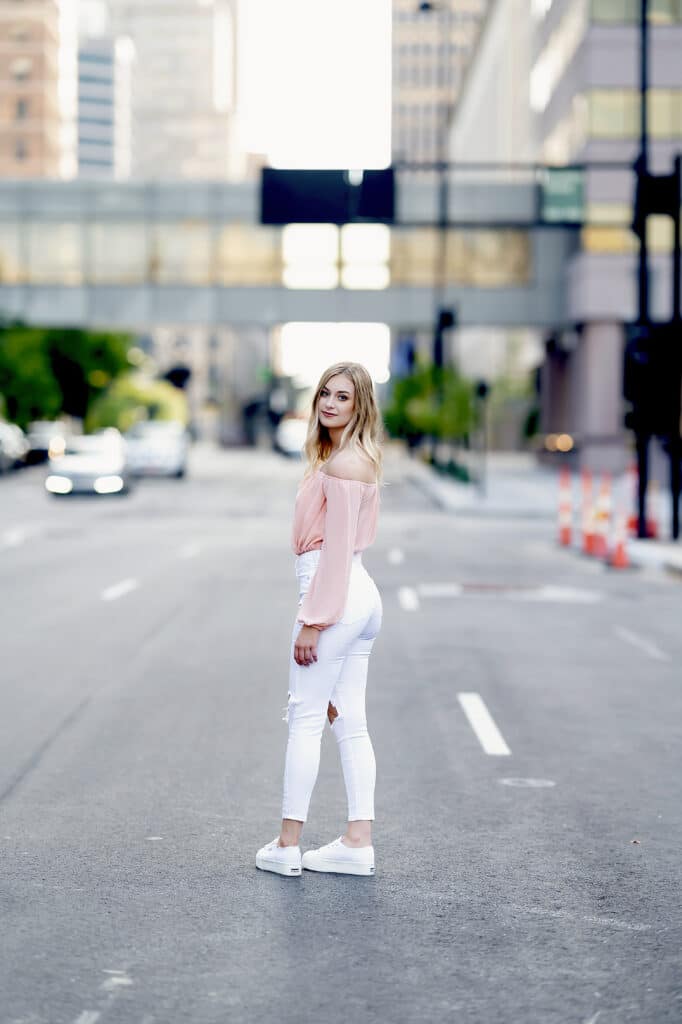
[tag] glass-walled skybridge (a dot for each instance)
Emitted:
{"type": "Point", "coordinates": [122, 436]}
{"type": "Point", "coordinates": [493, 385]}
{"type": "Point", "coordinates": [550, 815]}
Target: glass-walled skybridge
{"type": "Point", "coordinates": [136, 255]}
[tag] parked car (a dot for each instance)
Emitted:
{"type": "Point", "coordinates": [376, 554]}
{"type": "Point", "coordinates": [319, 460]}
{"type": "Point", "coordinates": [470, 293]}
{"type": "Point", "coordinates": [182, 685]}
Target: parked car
{"type": "Point", "coordinates": [157, 448]}
{"type": "Point", "coordinates": [45, 438]}
{"type": "Point", "coordinates": [90, 464]}
{"type": "Point", "coordinates": [13, 446]}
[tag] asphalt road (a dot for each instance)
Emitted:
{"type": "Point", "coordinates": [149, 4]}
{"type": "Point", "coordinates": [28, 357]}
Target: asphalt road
{"type": "Point", "coordinates": [526, 711]}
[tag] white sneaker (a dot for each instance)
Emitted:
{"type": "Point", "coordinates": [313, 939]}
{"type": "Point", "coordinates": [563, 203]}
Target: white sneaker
{"type": "Point", "coordinates": [336, 856]}
{"type": "Point", "coordinates": [283, 860]}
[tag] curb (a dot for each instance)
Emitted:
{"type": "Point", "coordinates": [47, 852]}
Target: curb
{"type": "Point", "coordinates": [448, 496]}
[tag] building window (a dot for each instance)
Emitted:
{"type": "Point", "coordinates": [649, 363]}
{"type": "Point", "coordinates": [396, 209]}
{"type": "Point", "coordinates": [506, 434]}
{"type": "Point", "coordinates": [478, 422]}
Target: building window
{"type": "Point", "coordinates": [614, 113]}
{"type": "Point", "coordinates": [21, 110]}
{"type": "Point", "coordinates": [20, 69]}
{"type": "Point", "coordinates": [19, 33]}
{"type": "Point", "coordinates": [20, 150]}
{"type": "Point", "coordinates": [627, 12]}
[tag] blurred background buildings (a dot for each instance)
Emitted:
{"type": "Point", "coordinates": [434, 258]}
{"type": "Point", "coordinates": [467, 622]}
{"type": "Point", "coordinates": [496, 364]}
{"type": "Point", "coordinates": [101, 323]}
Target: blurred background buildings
{"type": "Point", "coordinates": [136, 108]}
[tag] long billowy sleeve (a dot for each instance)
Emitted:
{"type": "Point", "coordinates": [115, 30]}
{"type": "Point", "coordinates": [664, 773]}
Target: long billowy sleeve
{"type": "Point", "coordinates": [325, 600]}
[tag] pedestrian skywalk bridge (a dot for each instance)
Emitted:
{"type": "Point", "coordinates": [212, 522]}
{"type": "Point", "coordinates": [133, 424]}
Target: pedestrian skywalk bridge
{"type": "Point", "coordinates": [133, 254]}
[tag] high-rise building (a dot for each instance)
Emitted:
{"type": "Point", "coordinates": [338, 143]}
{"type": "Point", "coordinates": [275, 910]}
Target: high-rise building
{"type": "Point", "coordinates": [578, 63]}
{"type": "Point", "coordinates": [105, 107]}
{"type": "Point", "coordinates": [184, 86]}
{"type": "Point", "coordinates": [432, 43]}
{"type": "Point", "coordinates": [38, 89]}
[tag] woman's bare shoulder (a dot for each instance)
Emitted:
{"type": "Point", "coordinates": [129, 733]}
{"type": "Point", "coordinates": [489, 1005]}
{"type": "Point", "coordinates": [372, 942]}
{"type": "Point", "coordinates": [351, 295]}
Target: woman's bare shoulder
{"type": "Point", "coordinates": [350, 465]}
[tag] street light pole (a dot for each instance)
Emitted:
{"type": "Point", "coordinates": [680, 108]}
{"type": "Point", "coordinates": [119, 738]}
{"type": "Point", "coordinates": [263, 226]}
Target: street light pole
{"type": "Point", "coordinates": [443, 122]}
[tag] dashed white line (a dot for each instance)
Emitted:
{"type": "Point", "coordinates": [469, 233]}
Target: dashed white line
{"type": "Point", "coordinates": [409, 601]}
{"type": "Point", "coordinates": [440, 589]}
{"type": "Point", "coordinates": [119, 589]}
{"type": "Point", "coordinates": [641, 643]}
{"type": "Point", "coordinates": [481, 721]}
{"type": "Point", "coordinates": [595, 1018]}
{"type": "Point", "coordinates": [190, 550]}
{"type": "Point", "coordinates": [16, 535]}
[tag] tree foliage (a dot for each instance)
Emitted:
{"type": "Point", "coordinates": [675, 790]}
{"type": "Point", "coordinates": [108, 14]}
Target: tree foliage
{"type": "Point", "coordinates": [46, 371]}
{"type": "Point", "coordinates": [133, 398]}
{"type": "Point", "coordinates": [431, 401]}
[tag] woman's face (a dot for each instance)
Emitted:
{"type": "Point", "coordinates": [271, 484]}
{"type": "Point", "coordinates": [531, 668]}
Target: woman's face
{"type": "Point", "coordinates": [336, 402]}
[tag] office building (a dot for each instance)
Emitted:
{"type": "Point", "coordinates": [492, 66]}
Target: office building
{"type": "Point", "coordinates": [184, 86]}
{"type": "Point", "coordinates": [38, 89]}
{"type": "Point", "coordinates": [431, 48]}
{"type": "Point", "coordinates": [105, 68]}
{"type": "Point", "coordinates": [580, 65]}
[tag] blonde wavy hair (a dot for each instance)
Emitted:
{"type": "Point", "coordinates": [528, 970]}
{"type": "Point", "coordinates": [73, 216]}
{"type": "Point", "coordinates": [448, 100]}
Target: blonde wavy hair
{"type": "Point", "coordinates": [363, 433]}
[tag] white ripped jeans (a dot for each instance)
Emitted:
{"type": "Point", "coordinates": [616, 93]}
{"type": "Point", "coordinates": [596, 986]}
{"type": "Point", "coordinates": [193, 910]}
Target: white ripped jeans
{"type": "Point", "coordinates": [339, 675]}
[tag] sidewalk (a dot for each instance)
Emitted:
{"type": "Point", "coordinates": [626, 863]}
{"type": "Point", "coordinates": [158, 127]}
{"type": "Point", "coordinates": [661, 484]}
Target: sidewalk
{"type": "Point", "coordinates": [518, 488]}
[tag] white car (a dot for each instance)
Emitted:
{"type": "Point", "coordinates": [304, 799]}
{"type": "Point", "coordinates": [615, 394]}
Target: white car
{"type": "Point", "coordinates": [14, 446]}
{"type": "Point", "coordinates": [157, 448]}
{"type": "Point", "coordinates": [90, 464]}
{"type": "Point", "coordinates": [290, 434]}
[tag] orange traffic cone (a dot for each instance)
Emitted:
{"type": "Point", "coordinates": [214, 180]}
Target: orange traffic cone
{"type": "Point", "coordinates": [652, 503]}
{"type": "Point", "coordinates": [632, 489]}
{"type": "Point", "coordinates": [618, 558]}
{"type": "Point", "coordinates": [565, 507]}
{"type": "Point", "coordinates": [587, 512]}
{"type": "Point", "coordinates": [603, 518]}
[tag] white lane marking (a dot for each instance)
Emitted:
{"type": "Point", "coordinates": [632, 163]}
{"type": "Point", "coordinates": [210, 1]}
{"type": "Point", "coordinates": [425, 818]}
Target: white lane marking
{"type": "Point", "coordinates": [480, 720]}
{"type": "Point", "coordinates": [641, 643]}
{"type": "Point", "coordinates": [88, 1017]}
{"type": "Point", "coordinates": [440, 589]}
{"type": "Point", "coordinates": [396, 556]}
{"type": "Point", "coordinates": [550, 593]}
{"type": "Point", "coordinates": [593, 1020]}
{"type": "Point", "coordinates": [527, 783]}
{"type": "Point", "coordinates": [190, 550]}
{"type": "Point", "coordinates": [152, 838]}
{"type": "Point", "coordinates": [564, 595]}
{"type": "Point", "coordinates": [16, 535]}
{"type": "Point", "coordinates": [566, 915]}
{"type": "Point", "coordinates": [409, 601]}
{"type": "Point", "coordinates": [116, 981]}
{"type": "Point", "coordinates": [119, 589]}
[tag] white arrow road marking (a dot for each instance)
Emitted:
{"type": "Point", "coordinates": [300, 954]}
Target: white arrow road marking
{"type": "Point", "coordinates": [480, 720]}
{"type": "Point", "coordinates": [119, 589]}
{"type": "Point", "coordinates": [641, 643]}
{"type": "Point", "coordinates": [409, 601]}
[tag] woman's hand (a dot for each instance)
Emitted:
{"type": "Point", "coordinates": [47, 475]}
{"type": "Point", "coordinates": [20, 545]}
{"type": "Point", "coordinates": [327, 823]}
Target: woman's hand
{"type": "Point", "coordinates": [305, 647]}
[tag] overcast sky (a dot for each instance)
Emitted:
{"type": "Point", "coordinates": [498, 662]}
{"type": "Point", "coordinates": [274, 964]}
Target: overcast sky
{"type": "Point", "coordinates": [315, 81]}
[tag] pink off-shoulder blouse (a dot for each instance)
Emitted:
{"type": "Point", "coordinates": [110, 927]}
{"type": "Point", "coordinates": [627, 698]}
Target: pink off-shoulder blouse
{"type": "Point", "coordinates": [340, 517]}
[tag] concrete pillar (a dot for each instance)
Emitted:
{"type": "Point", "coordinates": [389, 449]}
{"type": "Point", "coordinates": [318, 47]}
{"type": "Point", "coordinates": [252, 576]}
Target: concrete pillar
{"type": "Point", "coordinates": [598, 401]}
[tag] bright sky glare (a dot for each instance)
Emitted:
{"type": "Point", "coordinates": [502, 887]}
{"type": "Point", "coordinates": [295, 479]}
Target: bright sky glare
{"type": "Point", "coordinates": [304, 350]}
{"type": "Point", "coordinates": [315, 82]}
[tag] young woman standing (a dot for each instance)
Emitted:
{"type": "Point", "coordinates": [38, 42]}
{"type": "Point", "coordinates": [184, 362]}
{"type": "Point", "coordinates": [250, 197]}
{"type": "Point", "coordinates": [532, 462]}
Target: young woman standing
{"type": "Point", "coordinates": [339, 616]}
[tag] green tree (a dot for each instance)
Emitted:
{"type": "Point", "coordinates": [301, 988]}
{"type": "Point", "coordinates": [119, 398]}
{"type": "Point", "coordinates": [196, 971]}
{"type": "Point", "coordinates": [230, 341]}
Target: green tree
{"type": "Point", "coordinates": [27, 381]}
{"type": "Point", "coordinates": [48, 371]}
{"type": "Point", "coordinates": [133, 398]}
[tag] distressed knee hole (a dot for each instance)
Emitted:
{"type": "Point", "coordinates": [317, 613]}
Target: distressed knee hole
{"type": "Point", "coordinates": [291, 703]}
{"type": "Point", "coordinates": [332, 713]}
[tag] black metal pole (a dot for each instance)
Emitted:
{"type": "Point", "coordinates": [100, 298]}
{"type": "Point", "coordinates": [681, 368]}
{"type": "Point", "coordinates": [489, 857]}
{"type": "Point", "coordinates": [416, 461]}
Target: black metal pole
{"type": "Point", "coordinates": [642, 169]}
{"type": "Point", "coordinates": [676, 342]}
{"type": "Point", "coordinates": [643, 159]}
